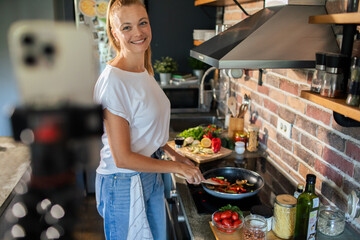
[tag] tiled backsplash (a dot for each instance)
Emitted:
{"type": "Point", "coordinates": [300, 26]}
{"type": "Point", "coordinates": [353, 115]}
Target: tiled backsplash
{"type": "Point", "coordinates": [318, 144]}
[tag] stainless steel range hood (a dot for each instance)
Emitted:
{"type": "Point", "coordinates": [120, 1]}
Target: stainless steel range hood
{"type": "Point", "coordinates": [274, 37]}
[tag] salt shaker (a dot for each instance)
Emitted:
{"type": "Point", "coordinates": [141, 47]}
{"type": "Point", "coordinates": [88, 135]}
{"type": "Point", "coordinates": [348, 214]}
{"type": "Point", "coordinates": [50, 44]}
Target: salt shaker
{"type": "Point", "coordinates": [319, 74]}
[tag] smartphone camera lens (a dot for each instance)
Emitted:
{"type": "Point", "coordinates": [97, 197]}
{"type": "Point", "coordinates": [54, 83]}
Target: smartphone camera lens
{"type": "Point", "coordinates": [48, 49]}
{"type": "Point", "coordinates": [30, 60]}
{"type": "Point", "coordinates": [28, 40]}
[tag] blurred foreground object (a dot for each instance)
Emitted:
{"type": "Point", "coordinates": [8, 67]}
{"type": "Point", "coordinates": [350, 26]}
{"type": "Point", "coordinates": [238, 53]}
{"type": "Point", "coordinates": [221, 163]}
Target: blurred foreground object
{"type": "Point", "coordinates": [54, 67]}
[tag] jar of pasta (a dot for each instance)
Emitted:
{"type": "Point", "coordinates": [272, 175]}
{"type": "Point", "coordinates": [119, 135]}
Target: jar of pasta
{"type": "Point", "coordinates": [253, 141]}
{"type": "Point", "coordinates": [284, 216]}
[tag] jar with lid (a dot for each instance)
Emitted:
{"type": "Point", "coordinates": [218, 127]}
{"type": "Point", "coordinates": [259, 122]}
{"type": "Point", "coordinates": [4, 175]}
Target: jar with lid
{"type": "Point", "coordinates": [353, 98]}
{"type": "Point", "coordinates": [331, 221]}
{"type": "Point", "coordinates": [254, 227]}
{"type": "Point", "coordinates": [241, 136]}
{"type": "Point", "coordinates": [319, 74]}
{"type": "Point", "coordinates": [284, 216]}
{"type": "Point", "coordinates": [264, 211]}
{"type": "Point", "coordinates": [334, 84]}
{"type": "Point", "coordinates": [253, 138]}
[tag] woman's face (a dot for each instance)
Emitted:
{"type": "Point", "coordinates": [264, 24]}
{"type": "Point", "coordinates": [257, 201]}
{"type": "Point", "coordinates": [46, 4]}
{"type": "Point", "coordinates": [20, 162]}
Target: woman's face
{"type": "Point", "coordinates": [131, 28]}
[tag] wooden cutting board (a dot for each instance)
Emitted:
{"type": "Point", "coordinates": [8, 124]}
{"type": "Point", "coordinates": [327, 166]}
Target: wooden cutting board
{"type": "Point", "coordinates": [237, 235]}
{"type": "Point", "coordinates": [201, 158]}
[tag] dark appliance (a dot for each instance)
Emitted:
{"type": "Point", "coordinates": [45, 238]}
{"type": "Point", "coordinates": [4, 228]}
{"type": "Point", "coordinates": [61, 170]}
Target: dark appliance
{"type": "Point", "coordinates": [263, 41]}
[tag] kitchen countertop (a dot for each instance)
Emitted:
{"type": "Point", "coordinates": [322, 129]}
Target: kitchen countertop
{"type": "Point", "coordinates": [199, 223]}
{"type": "Point", "coordinates": [14, 161]}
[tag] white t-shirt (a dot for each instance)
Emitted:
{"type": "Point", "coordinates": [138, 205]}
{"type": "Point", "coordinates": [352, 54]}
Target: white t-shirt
{"type": "Point", "coordinates": [137, 98]}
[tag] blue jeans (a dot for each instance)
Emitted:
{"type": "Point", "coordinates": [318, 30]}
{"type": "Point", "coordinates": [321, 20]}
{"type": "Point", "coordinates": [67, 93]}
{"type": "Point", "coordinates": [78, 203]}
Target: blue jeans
{"type": "Point", "coordinates": [113, 203]}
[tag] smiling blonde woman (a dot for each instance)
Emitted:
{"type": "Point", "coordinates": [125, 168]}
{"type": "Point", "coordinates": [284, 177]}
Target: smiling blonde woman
{"type": "Point", "coordinates": [129, 187]}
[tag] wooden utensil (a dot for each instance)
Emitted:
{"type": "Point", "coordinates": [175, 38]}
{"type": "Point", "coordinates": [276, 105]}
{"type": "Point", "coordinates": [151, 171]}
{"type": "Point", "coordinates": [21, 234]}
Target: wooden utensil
{"type": "Point", "coordinates": [232, 105]}
{"type": "Point", "coordinates": [242, 110]}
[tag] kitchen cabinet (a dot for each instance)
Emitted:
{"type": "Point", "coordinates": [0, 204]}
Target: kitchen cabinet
{"type": "Point", "coordinates": [335, 104]}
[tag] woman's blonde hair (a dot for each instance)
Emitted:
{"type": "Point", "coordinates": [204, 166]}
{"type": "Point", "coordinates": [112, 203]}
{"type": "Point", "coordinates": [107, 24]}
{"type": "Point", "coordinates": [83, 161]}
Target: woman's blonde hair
{"type": "Point", "coordinates": [113, 6]}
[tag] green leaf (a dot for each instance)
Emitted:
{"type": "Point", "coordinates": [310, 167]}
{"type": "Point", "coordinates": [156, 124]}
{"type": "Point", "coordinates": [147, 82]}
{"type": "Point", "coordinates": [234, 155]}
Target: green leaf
{"type": "Point", "coordinates": [231, 208]}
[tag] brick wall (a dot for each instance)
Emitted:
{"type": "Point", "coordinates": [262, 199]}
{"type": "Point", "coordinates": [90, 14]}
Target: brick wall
{"type": "Point", "coordinates": [318, 144]}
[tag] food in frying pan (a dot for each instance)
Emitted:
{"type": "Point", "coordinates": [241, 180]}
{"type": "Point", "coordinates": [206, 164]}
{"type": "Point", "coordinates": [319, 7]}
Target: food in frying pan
{"type": "Point", "coordinates": [240, 186]}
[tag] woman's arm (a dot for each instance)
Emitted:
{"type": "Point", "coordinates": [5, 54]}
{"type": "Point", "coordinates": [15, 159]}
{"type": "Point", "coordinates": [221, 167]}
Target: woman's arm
{"type": "Point", "coordinates": [118, 132]}
{"type": "Point", "coordinates": [176, 156]}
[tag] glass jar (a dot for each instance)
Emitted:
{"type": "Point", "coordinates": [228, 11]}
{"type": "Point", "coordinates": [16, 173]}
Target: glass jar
{"type": "Point", "coordinates": [254, 227]}
{"type": "Point", "coordinates": [319, 74]}
{"type": "Point", "coordinates": [239, 147]}
{"type": "Point", "coordinates": [264, 211]}
{"type": "Point", "coordinates": [284, 216]}
{"type": "Point", "coordinates": [241, 136]}
{"type": "Point", "coordinates": [331, 221]}
{"type": "Point", "coordinates": [353, 98]}
{"type": "Point", "coordinates": [253, 138]}
{"type": "Point", "coordinates": [334, 84]}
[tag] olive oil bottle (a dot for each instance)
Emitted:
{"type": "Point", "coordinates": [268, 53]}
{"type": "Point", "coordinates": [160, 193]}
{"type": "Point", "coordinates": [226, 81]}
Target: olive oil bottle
{"type": "Point", "coordinates": [307, 211]}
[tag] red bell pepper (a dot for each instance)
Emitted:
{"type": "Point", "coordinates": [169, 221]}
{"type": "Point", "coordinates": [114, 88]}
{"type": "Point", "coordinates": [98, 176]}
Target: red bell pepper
{"type": "Point", "coordinates": [216, 144]}
{"type": "Point", "coordinates": [208, 135]}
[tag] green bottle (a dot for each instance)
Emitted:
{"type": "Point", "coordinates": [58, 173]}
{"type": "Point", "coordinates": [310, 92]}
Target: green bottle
{"type": "Point", "coordinates": [307, 211]}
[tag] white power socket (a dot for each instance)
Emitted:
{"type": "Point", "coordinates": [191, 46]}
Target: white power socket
{"type": "Point", "coordinates": [284, 127]}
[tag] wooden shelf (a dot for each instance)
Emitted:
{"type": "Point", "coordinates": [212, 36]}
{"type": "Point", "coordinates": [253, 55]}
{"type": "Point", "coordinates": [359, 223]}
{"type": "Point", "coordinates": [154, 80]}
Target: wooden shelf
{"type": "Point", "coordinates": [220, 2]}
{"type": "Point", "coordinates": [335, 104]}
{"type": "Point", "coordinates": [339, 18]}
{"type": "Point", "coordinates": [198, 42]}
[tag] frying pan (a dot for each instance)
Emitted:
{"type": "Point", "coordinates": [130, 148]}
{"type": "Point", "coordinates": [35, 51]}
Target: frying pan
{"type": "Point", "coordinates": [231, 174]}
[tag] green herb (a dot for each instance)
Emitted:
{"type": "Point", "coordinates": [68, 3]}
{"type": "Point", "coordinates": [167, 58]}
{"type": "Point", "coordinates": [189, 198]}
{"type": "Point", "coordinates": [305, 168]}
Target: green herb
{"type": "Point", "coordinates": [165, 65]}
{"type": "Point", "coordinates": [220, 177]}
{"type": "Point", "coordinates": [195, 132]}
{"type": "Point", "coordinates": [231, 208]}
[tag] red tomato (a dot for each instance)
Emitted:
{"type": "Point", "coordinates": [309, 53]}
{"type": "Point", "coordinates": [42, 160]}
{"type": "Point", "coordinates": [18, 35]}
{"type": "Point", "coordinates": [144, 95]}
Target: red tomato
{"type": "Point", "coordinates": [235, 216]}
{"type": "Point", "coordinates": [217, 216]}
{"type": "Point", "coordinates": [237, 222]}
{"type": "Point", "coordinates": [226, 214]}
{"type": "Point", "coordinates": [227, 222]}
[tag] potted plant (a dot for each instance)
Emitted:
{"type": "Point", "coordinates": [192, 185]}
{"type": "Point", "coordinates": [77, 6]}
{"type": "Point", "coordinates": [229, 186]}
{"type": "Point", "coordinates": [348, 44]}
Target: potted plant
{"type": "Point", "coordinates": [165, 67]}
{"type": "Point", "coordinates": [197, 66]}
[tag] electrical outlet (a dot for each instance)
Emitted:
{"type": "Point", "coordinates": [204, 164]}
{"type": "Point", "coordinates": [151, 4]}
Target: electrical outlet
{"type": "Point", "coordinates": [284, 127]}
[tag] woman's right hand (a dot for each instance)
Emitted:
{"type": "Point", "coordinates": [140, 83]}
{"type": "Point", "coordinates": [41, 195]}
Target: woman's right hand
{"type": "Point", "coordinates": [192, 174]}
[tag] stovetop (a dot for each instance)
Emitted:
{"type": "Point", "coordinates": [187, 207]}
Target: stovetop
{"type": "Point", "coordinates": [275, 183]}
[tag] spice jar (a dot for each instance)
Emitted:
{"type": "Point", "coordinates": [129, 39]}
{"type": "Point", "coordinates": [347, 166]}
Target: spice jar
{"type": "Point", "coordinates": [253, 138]}
{"type": "Point", "coordinates": [254, 227]}
{"type": "Point", "coordinates": [241, 136]}
{"type": "Point", "coordinates": [334, 84]}
{"type": "Point", "coordinates": [319, 74]}
{"type": "Point", "coordinates": [284, 216]}
{"type": "Point", "coordinates": [331, 221]}
{"type": "Point", "coordinates": [353, 98]}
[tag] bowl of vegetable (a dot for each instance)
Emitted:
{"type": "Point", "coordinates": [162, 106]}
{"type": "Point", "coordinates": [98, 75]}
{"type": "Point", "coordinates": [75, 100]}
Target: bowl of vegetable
{"type": "Point", "coordinates": [228, 219]}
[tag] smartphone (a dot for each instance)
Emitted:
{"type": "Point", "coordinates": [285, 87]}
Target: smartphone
{"type": "Point", "coordinates": [54, 63]}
